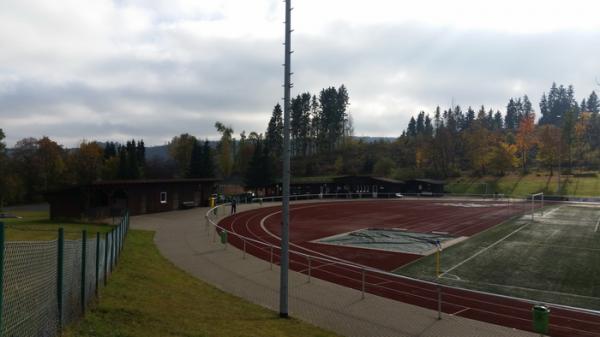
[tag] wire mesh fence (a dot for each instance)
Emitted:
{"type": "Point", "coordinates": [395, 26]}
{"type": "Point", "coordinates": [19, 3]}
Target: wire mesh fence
{"type": "Point", "coordinates": [45, 285]}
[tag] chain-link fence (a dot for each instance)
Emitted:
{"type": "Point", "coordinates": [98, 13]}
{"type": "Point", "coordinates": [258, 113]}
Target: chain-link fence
{"type": "Point", "coordinates": [45, 285]}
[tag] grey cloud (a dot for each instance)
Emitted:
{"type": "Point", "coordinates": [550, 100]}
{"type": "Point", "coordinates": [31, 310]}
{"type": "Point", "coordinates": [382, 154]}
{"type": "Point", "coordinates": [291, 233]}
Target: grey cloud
{"type": "Point", "coordinates": [239, 81]}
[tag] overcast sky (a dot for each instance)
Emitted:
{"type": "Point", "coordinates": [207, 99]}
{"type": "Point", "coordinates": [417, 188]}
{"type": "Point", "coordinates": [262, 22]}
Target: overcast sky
{"type": "Point", "coordinates": [152, 69]}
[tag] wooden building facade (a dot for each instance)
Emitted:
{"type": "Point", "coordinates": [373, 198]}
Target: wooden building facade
{"type": "Point", "coordinates": [104, 199]}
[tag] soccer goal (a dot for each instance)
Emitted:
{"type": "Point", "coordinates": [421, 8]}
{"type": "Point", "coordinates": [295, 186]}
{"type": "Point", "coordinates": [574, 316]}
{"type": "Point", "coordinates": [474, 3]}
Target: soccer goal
{"type": "Point", "coordinates": [537, 202]}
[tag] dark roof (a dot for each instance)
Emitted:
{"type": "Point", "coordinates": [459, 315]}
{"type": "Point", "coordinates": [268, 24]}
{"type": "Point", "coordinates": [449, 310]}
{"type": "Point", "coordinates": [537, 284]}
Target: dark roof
{"type": "Point", "coordinates": [382, 179]}
{"type": "Point", "coordinates": [389, 180]}
{"type": "Point", "coordinates": [153, 181]}
{"type": "Point", "coordinates": [430, 181]}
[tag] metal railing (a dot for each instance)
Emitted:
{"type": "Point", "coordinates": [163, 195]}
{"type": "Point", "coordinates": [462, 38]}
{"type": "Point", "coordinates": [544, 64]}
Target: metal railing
{"type": "Point", "coordinates": [359, 276]}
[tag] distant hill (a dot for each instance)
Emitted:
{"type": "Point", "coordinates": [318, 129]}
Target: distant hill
{"type": "Point", "coordinates": [158, 151]}
{"type": "Point", "coordinates": [162, 151]}
{"type": "Point", "coordinates": [368, 139]}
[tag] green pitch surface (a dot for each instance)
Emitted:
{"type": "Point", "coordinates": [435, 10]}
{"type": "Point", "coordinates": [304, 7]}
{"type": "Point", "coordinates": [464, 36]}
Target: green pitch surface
{"type": "Point", "coordinates": [554, 259]}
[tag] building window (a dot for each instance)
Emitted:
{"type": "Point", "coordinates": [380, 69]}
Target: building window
{"type": "Point", "coordinates": [163, 197]}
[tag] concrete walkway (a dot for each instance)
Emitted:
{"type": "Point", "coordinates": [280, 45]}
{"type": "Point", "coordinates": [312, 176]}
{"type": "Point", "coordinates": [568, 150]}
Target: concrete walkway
{"type": "Point", "coordinates": [182, 237]}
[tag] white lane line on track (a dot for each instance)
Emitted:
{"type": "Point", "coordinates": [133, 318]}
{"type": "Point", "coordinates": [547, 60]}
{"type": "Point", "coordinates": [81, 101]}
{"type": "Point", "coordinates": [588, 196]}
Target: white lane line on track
{"type": "Point", "coordinates": [460, 311]}
{"type": "Point", "coordinates": [416, 286]}
{"type": "Point", "coordinates": [301, 248]}
{"type": "Point", "coordinates": [264, 228]}
{"type": "Point", "coordinates": [483, 250]}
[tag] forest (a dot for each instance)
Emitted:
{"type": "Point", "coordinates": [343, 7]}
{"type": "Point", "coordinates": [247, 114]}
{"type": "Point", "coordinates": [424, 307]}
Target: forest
{"type": "Point", "coordinates": [561, 133]}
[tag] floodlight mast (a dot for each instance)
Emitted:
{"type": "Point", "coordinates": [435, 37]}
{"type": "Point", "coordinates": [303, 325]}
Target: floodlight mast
{"type": "Point", "coordinates": [285, 215]}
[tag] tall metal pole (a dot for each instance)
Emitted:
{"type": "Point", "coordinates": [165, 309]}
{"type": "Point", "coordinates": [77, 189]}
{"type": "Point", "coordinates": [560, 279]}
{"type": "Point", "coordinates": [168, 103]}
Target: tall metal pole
{"type": "Point", "coordinates": [559, 160]}
{"type": "Point", "coordinates": [285, 226]}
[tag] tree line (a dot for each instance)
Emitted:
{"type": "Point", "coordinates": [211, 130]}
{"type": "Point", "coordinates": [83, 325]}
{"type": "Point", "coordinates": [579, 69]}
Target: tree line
{"type": "Point", "coordinates": [447, 142]}
{"type": "Point", "coordinates": [567, 134]}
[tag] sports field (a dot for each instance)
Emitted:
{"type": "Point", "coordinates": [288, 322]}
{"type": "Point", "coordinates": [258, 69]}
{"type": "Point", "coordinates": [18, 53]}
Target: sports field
{"type": "Point", "coordinates": [555, 258]}
{"type": "Point", "coordinates": [473, 225]}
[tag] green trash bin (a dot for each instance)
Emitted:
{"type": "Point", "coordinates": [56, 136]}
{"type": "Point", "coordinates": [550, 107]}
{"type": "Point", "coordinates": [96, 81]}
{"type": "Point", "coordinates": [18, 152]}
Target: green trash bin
{"type": "Point", "coordinates": [223, 237]}
{"type": "Point", "coordinates": [541, 318]}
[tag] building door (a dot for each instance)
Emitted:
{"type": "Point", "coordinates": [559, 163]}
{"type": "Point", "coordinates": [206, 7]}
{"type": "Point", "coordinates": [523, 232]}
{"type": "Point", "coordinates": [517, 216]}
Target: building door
{"type": "Point", "coordinates": [197, 198]}
{"type": "Point", "coordinates": [143, 204]}
{"type": "Point", "coordinates": [175, 200]}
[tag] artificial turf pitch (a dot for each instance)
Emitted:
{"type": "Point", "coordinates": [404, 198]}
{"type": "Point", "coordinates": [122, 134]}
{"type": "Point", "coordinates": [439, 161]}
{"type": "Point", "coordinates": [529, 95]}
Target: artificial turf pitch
{"type": "Point", "coordinates": [554, 259]}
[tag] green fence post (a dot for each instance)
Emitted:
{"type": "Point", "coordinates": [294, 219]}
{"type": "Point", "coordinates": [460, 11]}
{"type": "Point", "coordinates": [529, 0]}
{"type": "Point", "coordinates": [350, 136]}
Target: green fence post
{"type": "Point", "coordinates": [117, 245]}
{"type": "Point", "coordinates": [119, 232]}
{"type": "Point", "coordinates": [112, 250]}
{"type": "Point", "coordinates": [60, 275]}
{"type": "Point", "coordinates": [1, 276]}
{"type": "Point", "coordinates": [97, 262]}
{"type": "Point", "coordinates": [83, 258]}
{"type": "Point", "coordinates": [105, 258]}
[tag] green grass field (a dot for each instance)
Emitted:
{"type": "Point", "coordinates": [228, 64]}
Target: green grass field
{"type": "Point", "coordinates": [35, 225]}
{"type": "Point", "coordinates": [148, 296]}
{"type": "Point", "coordinates": [555, 259]}
{"type": "Point", "coordinates": [519, 185]}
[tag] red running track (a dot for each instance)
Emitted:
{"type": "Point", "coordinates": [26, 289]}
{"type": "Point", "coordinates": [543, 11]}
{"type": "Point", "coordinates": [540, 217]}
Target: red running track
{"type": "Point", "coordinates": [313, 221]}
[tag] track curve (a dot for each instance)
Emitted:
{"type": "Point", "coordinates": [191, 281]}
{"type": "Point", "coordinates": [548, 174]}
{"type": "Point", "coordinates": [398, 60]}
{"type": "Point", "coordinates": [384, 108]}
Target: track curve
{"type": "Point", "coordinates": [312, 221]}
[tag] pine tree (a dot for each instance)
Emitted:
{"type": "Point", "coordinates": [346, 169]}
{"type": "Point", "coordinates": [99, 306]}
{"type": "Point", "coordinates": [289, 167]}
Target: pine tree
{"type": "Point", "coordinates": [259, 173]}
{"type": "Point", "coordinates": [207, 161]}
{"type": "Point", "coordinates": [122, 170]}
{"type": "Point", "coordinates": [469, 119]}
{"type": "Point", "coordinates": [274, 136]}
{"type": "Point", "coordinates": [489, 120]}
{"type": "Point", "coordinates": [568, 134]}
{"type": "Point", "coordinates": [420, 123]}
{"type": "Point", "coordinates": [498, 121]}
{"type": "Point", "coordinates": [593, 105]}
{"type": "Point", "coordinates": [583, 107]}
{"type": "Point", "coordinates": [195, 170]}
{"type": "Point", "coordinates": [412, 127]}
{"type": "Point", "coordinates": [527, 106]}
{"type": "Point", "coordinates": [437, 118]}
{"type": "Point", "coordinates": [428, 127]}
{"type": "Point", "coordinates": [544, 109]}
{"type": "Point", "coordinates": [510, 120]}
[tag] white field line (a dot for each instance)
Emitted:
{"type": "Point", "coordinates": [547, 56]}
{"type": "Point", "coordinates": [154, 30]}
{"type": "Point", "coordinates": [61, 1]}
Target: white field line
{"type": "Point", "coordinates": [483, 250]}
{"type": "Point", "coordinates": [597, 225]}
{"type": "Point", "coordinates": [552, 211]}
{"type": "Point", "coordinates": [531, 289]}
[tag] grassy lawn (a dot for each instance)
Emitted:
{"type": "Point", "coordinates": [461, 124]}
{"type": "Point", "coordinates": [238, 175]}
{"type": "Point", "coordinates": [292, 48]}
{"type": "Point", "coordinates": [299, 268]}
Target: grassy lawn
{"type": "Point", "coordinates": [556, 259]}
{"type": "Point", "coordinates": [148, 296]}
{"type": "Point", "coordinates": [35, 225]}
{"type": "Point", "coordinates": [518, 185]}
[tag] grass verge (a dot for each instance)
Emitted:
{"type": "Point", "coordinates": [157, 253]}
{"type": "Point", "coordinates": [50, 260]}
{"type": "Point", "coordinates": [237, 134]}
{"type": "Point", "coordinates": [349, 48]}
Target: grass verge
{"type": "Point", "coordinates": [148, 296]}
{"type": "Point", "coordinates": [522, 185]}
{"type": "Point", "coordinates": [35, 225]}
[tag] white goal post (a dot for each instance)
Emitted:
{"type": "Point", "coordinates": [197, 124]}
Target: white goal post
{"type": "Point", "coordinates": [540, 198]}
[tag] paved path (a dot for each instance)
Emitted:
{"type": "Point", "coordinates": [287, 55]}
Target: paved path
{"type": "Point", "coordinates": [182, 237]}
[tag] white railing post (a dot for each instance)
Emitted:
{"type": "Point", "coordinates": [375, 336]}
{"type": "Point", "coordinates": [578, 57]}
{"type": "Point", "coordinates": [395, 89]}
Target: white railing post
{"type": "Point", "coordinates": [439, 293]}
{"type": "Point", "coordinates": [308, 257]}
{"type": "Point", "coordinates": [363, 283]}
{"type": "Point", "coordinates": [271, 258]}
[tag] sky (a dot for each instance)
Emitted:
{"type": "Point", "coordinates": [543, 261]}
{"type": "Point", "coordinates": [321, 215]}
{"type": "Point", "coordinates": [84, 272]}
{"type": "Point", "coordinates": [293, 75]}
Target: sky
{"type": "Point", "coordinates": [77, 70]}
